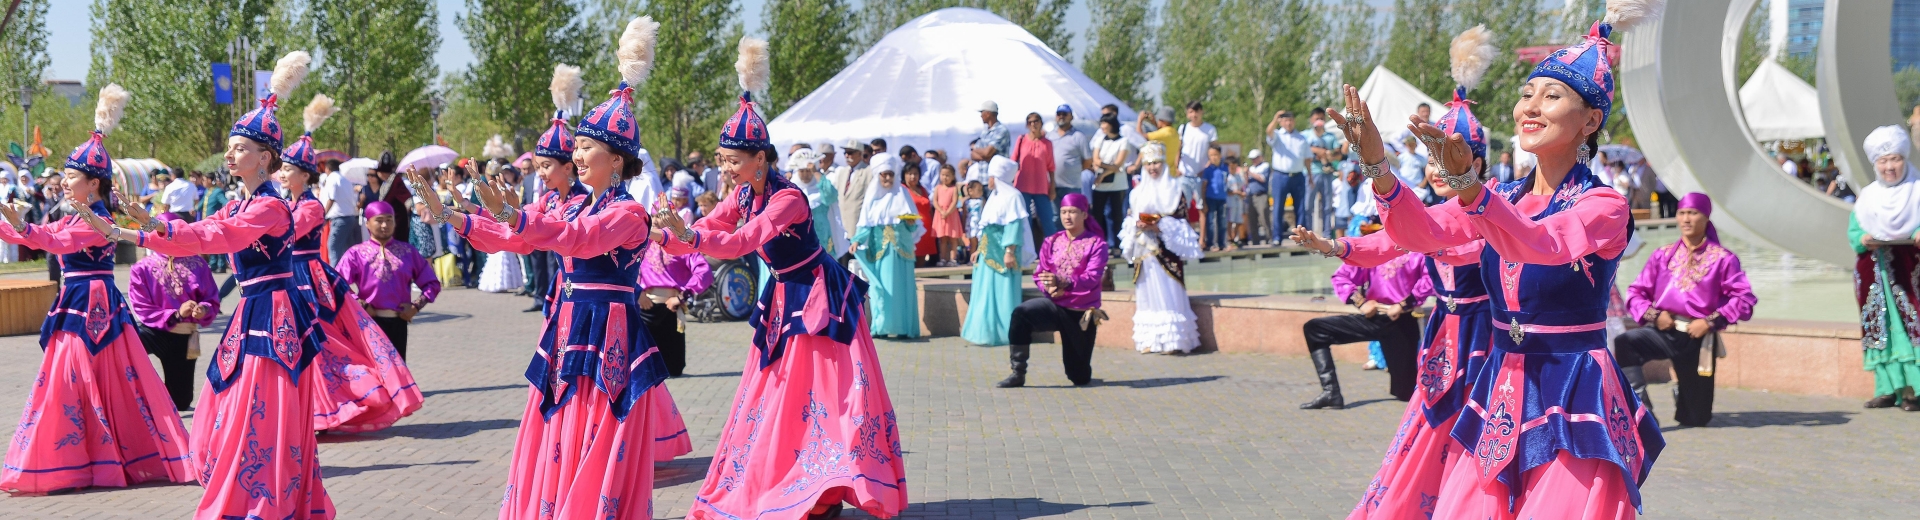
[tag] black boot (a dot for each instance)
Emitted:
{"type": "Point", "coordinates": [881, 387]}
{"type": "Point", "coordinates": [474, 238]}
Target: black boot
{"type": "Point", "coordinates": [1017, 355]}
{"type": "Point", "coordinates": [1329, 383]}
{"type": "Point", "coordinates": [1637, 380]}
{"type": "Point", "coordinates": [1885, 401]}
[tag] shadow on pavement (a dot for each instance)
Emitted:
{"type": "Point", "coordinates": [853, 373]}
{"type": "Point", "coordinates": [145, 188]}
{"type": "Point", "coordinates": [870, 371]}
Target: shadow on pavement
{"type": "Point", "coordinates": [336, 472]}
{"type": "Point", "coordinates": [432, 393]}
{"type": "Point", "coordinates": [1157, 382]}
{"type": "Point", "coordinates": [715, 374]}
{"type": "Point", "coordinates": [447, 430]}
{"type": "Point", "coordinates": [1357, 404]}
{"type": "Point", "coordinates": [998, 507]}
{"type": "Point", "coordinates": [1764, 419]}
{"type": "Point", "coordinates": [434, 317]}
{"type": "Point", "coordinates": [680, 471]}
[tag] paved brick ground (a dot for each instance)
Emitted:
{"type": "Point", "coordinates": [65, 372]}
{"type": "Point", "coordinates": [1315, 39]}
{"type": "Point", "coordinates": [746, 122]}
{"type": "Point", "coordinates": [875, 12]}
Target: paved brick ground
{"type": "Point", "coordinates": [1205, 436]}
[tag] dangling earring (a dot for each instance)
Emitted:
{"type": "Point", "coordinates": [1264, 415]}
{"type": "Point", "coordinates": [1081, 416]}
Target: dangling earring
{"type": "Point", "coordinates": [1585, 153]}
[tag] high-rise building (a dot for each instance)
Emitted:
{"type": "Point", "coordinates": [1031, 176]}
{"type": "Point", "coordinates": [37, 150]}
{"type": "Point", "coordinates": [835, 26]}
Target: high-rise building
{"type": "Point", "coordinates": [1805, 18]}
{"type": "Point", "coordinates": [1906, 34]}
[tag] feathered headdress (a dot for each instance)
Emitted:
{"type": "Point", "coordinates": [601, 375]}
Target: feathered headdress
{"type": "Point", "coordinates": [1472, 53]}
{"type": "Point", "coordinates": [262, 124]}
{"type": "Point", "coordinates": [496, 148]}
{"type": "Point", "coordinates": [1585, 66]}
{"type": "Point", "coordinates": [566, 86]}
{"type": "Point", "coordinates": [612, 122]}
{"type": "Point", "coordinates": [557, 142]}
{"type": "Point", "coordinates": [301, 154]}
{"type": "Point", "coordinates": [91, 157]}
{"type": "Point", "coordinates": [747, 130]}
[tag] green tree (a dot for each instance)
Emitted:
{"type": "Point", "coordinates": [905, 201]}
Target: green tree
{"type": "Point", "coordinates": [1514, 23]}
{"type": "Point", "coordinates": [692, 89]}
{"type": "Point", "coordinates": [809, 44]}
{"type": "Point", "coordinates": [1751, 49]}
{"type": "Point", "coordinates": [160, 51]}
{"type": "Point", "coordinates": [1191, 57]}
{"type": "Point", "coordinates": [514, 42]}
{"type": "Point", "coordinates": [1351, 51]}
{"type": "Point", "coordinates": [1120, 48]}
{"type": "Point", "coordinates": [23, 61]}
{"type": "Point", "coordinates": [376, 58]}
{"type": "Point", "coordinates": [1267, 50]}
{"type": "Point", "coordinates": [879, 17]}
{"type": "Point", "coordinates": [1418, 42]}
{"type": "Point", "coordinates": [467, 122]}
{"type": "Point", "coordinates": [1045, 19]}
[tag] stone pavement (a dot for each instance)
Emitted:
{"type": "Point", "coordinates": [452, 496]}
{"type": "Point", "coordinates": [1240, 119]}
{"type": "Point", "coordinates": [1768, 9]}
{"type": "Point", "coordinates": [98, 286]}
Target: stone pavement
{"type": "Point", "coordinates": [1203, 436]}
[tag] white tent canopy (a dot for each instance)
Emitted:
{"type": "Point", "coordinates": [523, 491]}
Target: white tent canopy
{"type": "Point", "coordinates": [1779, 105]}
{"type": "Point", "coordinates": [1392, 100]}
{"type": "Point", "coordinates": [922, 85]}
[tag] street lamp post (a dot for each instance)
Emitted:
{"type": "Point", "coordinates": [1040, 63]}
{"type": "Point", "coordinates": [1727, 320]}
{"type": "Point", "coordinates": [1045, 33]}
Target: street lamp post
{"type": "Point", "coordinates": [436, 104]}
{"type": "Point", "coordinates": [26, 103]}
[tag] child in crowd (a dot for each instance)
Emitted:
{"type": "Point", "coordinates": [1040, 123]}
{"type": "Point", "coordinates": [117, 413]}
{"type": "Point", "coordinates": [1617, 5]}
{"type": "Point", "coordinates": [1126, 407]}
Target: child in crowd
{"type": "Point", "coordinates": [949, 226]}
{"type": "Point", "coordinates": [976, 201]}
{"type": "Point", "coordinates": [1236, 203]}
{"type": "Point", "coordinates": [926, 251]}
{"type": "Point", "coordinates": [707, 201]}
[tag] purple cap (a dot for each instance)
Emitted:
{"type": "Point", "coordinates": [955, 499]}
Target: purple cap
{"type": "Point", "coordinates": [378, 208]}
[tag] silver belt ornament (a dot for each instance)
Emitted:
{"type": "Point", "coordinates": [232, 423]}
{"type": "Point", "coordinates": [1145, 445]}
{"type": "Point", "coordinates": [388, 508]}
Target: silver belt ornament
{"type": "Point", "coordinates": [1516, 331]}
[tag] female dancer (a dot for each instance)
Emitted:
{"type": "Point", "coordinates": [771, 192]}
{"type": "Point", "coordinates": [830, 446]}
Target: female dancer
{"type": "Point", "coordinates": [883, 242]}
{"type": "Point", "coordinates": [362, 385]}
{"type": "Point", "coordinates": [97, 415]}
{"type": "Point", "coordinates": [1457, 332]}
{"type": "Point", "coordinates": [254, 441]}
{"type": "Point", "coordinates": [813, 354]}
{"type": "Point", "coordinates": [1554, 431]}
{"type": "Point", "coordinates": [1886, 217]}
{"type": "Point", "coordinates": [1159, 248]}
{"type": "Point", "coordinates": [1005, 246]}
{"type": "Point", "coordinates": [596, 376]}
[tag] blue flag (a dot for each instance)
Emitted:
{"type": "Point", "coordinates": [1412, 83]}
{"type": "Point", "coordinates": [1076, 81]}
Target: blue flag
{"type": "Point", "coordinates": [223, 83]}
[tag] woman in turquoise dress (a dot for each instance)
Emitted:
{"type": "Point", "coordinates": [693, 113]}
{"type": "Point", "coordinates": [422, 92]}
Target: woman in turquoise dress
{"type": "Point", "coordinates": [889, 227]}
{"type": "Point", "coordinates": [823, 201]}
{"type": "Point", "coordinates": [1885, 221]}
{"type": "Point", "coordinates": [1006, 243]}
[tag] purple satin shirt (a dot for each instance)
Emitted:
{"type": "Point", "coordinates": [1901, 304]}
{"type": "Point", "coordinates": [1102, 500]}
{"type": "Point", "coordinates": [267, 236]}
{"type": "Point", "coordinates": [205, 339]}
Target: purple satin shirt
{"type": "Point", "coordinates": [1692, 284]}
{"type": "Point", "coordinates": [1079, 263]}
{"type": "Point", "coordinates": [155, 290]}
{"type": "Point", "coordinates": [1396, 281]}
{"type": "Point", "coordinates": [384, 277]}
{"type": "Point", "coordinates": [688, 273]}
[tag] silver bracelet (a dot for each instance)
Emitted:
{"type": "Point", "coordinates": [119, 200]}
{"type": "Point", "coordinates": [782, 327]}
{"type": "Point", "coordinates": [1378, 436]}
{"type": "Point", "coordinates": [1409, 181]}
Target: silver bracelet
{"type": "Point", "coordinates": [685, 235]}
{"type": "Point", "coordinates": [1375, 170]}
{"type": "Point", "coordinates": [505, 215]}
{"type": "Point", "coordinates": [1458, 182]}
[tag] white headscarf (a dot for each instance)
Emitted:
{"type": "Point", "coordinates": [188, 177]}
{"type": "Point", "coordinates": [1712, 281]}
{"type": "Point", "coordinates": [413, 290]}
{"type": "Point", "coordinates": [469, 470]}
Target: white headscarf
{"type": "Point", "coordinates": [1889, 212]}
{"type": "Point", "coordinates": [1004, 203]}
{"type": "Point", "coordinates": [885, 206]}
{"type": "Point", "coordinates": [646, 188]}
{"type": "Point", "coordinates": [1155, 195]}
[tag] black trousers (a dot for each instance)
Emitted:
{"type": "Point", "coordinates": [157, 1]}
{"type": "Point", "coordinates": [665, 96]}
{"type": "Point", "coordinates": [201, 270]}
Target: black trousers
{"type": "Point", "coordinates": [1399, 341]}
{"type": "Point", "coordinates": [1110, 210]}
{"type": "Point", "coordinates": [396, 330]}
{"type": "Point", "coordinates": [1693, 393]}
{"type": "Point", "coordinates": [664, 326]}
{"type": "Point", "coordinates": [175, 368]}
{"type": "Point", "coordinates": [1042, 315]}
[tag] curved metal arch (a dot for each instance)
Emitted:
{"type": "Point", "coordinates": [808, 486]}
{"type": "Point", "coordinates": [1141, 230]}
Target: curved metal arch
{"type": "Point", "coordinates": [1856, 94]}
{"type": "Point", "coordinates": [1677, 78]}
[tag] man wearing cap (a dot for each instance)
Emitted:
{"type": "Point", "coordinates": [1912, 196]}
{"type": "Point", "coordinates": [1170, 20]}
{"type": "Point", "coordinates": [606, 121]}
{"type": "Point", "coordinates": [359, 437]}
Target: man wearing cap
{"type": "Point", "coordinates": [1162, 131]}
{"type": "Point", "coordinates": [994, 139]}
{"type": "Point", "coordinates": [1288, 177]}
{"type": "Point", "coordinates": [853, 185]}
{"type": "Point", "coordinates": [383, 272]}
{"type": "Point", "coordinates": [1071, 153]}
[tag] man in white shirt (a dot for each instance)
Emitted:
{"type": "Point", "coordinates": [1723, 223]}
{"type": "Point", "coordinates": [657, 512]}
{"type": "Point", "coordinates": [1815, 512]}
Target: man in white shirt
{"type": "Point", "coordinates": [341, 198]}
{"type": "Point", "coordinates": [1195, 137]}
{"type": "Point", "coordinates": [1071, 154]}
{"type": "Point", "coordinates": [1291, 153]}
{"type": "Point", "coordinates": [179, 197]}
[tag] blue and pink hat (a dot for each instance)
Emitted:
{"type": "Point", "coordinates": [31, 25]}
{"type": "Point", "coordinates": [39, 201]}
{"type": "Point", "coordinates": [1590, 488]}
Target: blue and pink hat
{"type": "Point", "coordinates": [612, 122]}
{"type": "Point", "coordinates": [262, 124]}
{"type": "Point", "coordinates": [91, 157]}
{"type": "Point", "coordinates": [1588, 66]}
{"type": "Point", "coordinates": [301, 153]}
{"type": "Point", "coordinates": [746, 130]}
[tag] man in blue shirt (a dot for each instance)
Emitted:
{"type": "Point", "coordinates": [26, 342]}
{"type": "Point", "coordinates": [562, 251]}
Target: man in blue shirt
{"type": "Point", "coordinates": [1288, 175]}
{"type": "Point", "coordinates": [1213, 183]}
{"type": "Point", "coordinates": [1327, 151]}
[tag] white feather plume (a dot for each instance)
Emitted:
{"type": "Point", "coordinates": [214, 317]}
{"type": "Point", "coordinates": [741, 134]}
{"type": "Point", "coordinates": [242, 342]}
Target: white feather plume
{"type": "Point", "coordinates": [566, 86]}
{"type": "Point", "coordinates": [636, 49]}
{"type": "Point", "coordinates": [112, 107]}
{"type": "Point", "coordinates": [1624, 14]}
{"type": "Point", "coordinates": [289, 72]}
{"type": "Point", "coordinates": [497, 148]}
{"type": "Point", "coordinates": [755, 65]}
{"type": "Point", "coordinates": [318, 111]}
{"type": "Point", "coordinates": [1472, 53]}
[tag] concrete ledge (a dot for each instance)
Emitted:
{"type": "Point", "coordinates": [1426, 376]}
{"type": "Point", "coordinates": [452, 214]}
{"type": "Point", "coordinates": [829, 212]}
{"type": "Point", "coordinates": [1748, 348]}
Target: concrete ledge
{"type": "Point", "coordinates": [1788, 356]}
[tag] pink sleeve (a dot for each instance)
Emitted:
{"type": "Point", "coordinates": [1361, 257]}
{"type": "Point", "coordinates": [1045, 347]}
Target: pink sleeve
{"type": "Point", "coordinates": [621, 225]}
{"type": "Point", "coordinates": [220, 235]}
{"type": "Point", "coordinates": [308, 215]}
{"type": "Point", "coordinates": [1344, 281]}
{"type": "Point", "coordinates": [1369, 250]}
{"type": "Point", "coordinates": [1417, 227]}
{"type": "Point", "coordinates": [1597, 223]}
{"type": "Point", "coordinates": [485, 234]}
{"type": "Point", "coordinates": [1640, 292]}
{"type": "Point", "coordinates": [716, 236]}
{"type": "Point", "coordinates": [62, 237]}
{"type": "Point", "coordinates": [1461, 255]}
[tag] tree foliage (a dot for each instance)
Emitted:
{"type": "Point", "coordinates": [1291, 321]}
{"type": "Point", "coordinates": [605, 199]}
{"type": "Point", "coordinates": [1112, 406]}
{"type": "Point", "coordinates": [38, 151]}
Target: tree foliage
{"type": "Point", "coordinates": [1121, 48]}
{"type": "Point", "coordinates": [1352, 50]}
{"type": "Point", "coordinates": [23, 61]}
{"type": "Point", "coordinates": [1190, 49]}
{"type": "Point", "coordinates": [809, 43]}
{"type": "Point", "coordinates": [513, 41]}
{"type": "Point", "coordinates": [1266, 64]}
{"type": "Point", "coordinates": [1417, 45]}
{"type": "Point", "coordinates": [1515, 24]}
{"type": "Point", "coordinates": [376, 58]}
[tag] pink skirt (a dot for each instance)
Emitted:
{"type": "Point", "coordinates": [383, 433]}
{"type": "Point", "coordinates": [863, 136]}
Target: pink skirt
{"type": "Point", "coordinates": [582, 463]}
{"type": "Point", "coordinates": [816, 426]}
{"type": "Point", "coordinates": [88, 421]}
{"type": "Point", "coordinates": [1568, 487]}
{"type": "Point", "coordinates": [670, 439]}
{"type": "Point", "coordinates": [362, 385]}
{"type": "Point", "coordinates": [1411, 475]}
{"type": "Point", "coordinates": [255, 449]}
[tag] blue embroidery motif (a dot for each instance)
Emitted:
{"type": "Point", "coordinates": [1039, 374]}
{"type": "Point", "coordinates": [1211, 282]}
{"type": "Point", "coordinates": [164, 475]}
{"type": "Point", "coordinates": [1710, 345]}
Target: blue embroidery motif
{"type": "Point", "coordinates": [73, 416]}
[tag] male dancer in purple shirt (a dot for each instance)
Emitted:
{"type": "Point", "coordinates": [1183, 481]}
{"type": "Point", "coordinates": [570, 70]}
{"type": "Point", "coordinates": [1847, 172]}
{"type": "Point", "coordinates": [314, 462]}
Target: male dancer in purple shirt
{"type": "Point", "coordinates": [1386, 296]}
{"type": "Point", "coordinates": [172, 298]}
{"type": "Point", "coordinates": [1070, 267]}
{"type": "Point", "coordinates": [384, 271]}
{"type": "Point", "coordinates": [1687, 293]}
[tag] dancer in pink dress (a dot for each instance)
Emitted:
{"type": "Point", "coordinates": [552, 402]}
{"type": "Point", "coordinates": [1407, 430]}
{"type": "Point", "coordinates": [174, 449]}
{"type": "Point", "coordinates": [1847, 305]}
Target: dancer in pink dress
{"type": "Point", "coordinates": [812, 425]}
{"type": "Point", "coordinates": [362, 385]}
{"type": "Point", "coordinates": [252, 439]}
{"type": "Point", "coordinates": [587, 437]}
{"type": "Point", "coordinates": [1552, 429]}
{"type": "Point", "coordinates": [97, 415]}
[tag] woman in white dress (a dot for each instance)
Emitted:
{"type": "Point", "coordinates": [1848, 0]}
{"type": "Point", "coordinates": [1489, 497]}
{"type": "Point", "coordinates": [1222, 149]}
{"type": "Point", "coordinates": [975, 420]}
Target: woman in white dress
{"type": "Point", "coordinates": [1159, 248]}
{"type": "Point", "coordinates": [502, 272]}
